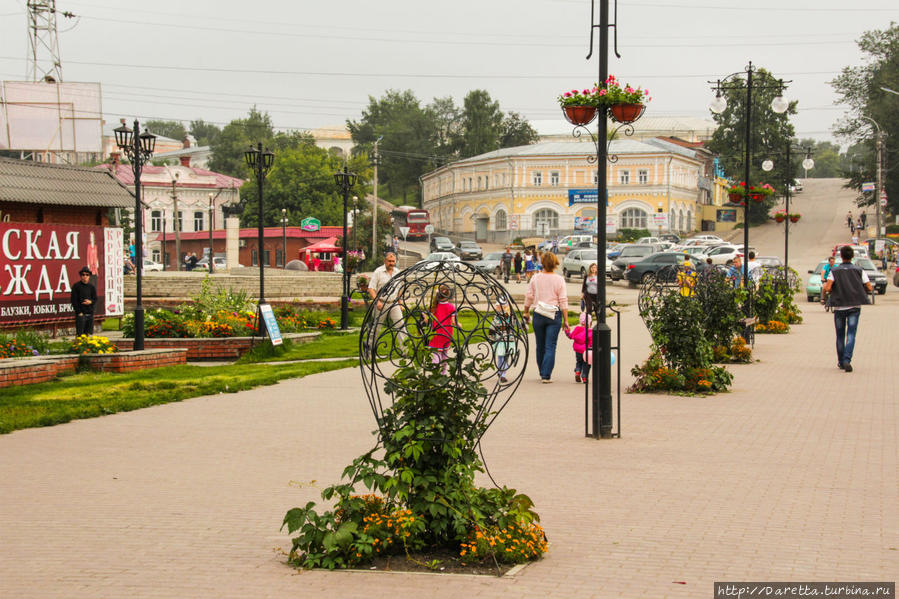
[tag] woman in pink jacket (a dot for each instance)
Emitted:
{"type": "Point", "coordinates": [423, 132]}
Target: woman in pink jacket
{"type": "Point", "coordinates": [548, 296]}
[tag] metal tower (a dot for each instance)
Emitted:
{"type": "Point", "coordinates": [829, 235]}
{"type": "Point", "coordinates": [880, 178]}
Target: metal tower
{"type": "Point", "coordinates": [44, 62]}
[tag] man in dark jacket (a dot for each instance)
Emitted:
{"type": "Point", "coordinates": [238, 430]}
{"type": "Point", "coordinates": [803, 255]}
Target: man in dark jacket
{"type": "Point", "coordinates": [848, 286]}
{"type": "Point", "coordinates": [84, 296]}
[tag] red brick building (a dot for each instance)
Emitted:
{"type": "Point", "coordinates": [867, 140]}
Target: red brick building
{"type": "Point", "coordinates": [36, 192]}
{"type": "Point", "coordinates": [273, 243]}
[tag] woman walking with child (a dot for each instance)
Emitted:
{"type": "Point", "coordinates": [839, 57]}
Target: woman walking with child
{"type": "Point", "coordinates": [548, 297]}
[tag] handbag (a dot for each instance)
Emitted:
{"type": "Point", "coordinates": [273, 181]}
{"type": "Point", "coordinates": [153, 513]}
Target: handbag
{"type": "Point", "coordinates": [544, 309]}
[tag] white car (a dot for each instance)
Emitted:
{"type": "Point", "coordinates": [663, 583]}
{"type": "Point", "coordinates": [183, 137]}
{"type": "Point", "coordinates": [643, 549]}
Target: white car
{"type": "Point", "coordinates": [707, 238]}
{"type": "Point", "coordinates": [436, 257]}
{"type": "Point", "coordinates": [723, 254]}
{"type": "Point", "coordinates": [150, 266]}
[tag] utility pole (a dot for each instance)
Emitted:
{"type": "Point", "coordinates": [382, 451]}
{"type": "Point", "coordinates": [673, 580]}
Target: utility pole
{"type": "Point", "coordinates": [44, 62]}
{"type": "Point", "coordinates": [879, 191]}
{"type": "Point", "coordinates": [176, 225]}
{"type": "Point", "coordinates": [374, 203]}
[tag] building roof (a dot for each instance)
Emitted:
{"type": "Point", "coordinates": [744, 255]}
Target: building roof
{"type": "Point", "coordinates": [687, 127]}
{"type": "Point", "coordinates": [60, 184]}
{"type": "Point", "coordinates": [565, 148]}
{"type": "Point", "coordinates": [161, 176]}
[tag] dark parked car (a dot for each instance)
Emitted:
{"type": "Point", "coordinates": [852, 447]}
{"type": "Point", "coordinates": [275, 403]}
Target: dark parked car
{"type": "Point", "coordinates": [441, 244]}
{"type": "Point", "coordinates": [638, 272]}
{"type": "Point", "coordinates": [469, 250]}
{"type": "Point", "coordinates": [628, 255]}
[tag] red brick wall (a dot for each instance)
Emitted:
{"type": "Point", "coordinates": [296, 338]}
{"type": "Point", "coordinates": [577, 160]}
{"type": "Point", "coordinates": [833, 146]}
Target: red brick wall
{"type": "Point", "coordinates": [227, 348]}
{"type": "Point", "coordinates": [27, 371]}
{"type": "Point", "coordinates": [53, 214]}
{"type": "Point", "coordinates": [136, 360]}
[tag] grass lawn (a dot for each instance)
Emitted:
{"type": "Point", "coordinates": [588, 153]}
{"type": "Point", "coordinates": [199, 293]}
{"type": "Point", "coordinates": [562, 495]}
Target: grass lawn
{"type": "Point", "coordinates": [88, 395]}
{"type": "Point", "coordinates": [329, 345]}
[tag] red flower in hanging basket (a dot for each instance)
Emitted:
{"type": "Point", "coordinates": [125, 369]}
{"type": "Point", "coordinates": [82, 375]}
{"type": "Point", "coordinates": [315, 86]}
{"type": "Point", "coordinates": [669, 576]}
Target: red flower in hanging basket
{"type": "Point", "coordinates": [780, 217]}
{"type": "Point", "coordinates": [735, 197]}
{"type": "Point", "coordinates": [579, 115]}
{"type": "Point", "coordinates": [794, 218]}
{"type": "Point", "coordinates": [757, 197]}
{"type": "Point", "coordinates": [626, 113]}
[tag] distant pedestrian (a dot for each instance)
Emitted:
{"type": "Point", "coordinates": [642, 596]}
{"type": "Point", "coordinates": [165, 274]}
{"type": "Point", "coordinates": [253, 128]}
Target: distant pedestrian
{"type": "Point", "coordinates": [506, 263]}
{"type": "Point", "coordinates": [387, 308]}
{"type": "Point", "coordinates": [519, 265]}
{"type": "Point", "coordinates": [84, 297]}
{"type": "Point", "coordinates": [848, 286]}
{"type": "Point", "coordinates": [501, 335]}
{"type": "Point", "coordinates": [864, 218]}
{"type": "Point", "coordinates": [849, 220]}
{"type": "Point", "coordinates": [396, 245]}
{"type": "Point", "coordinates": [735, 272]}
{"type": "Point", "coordinates": [825, 273]}
{"type": "Point", "coordinates": [590, 289]}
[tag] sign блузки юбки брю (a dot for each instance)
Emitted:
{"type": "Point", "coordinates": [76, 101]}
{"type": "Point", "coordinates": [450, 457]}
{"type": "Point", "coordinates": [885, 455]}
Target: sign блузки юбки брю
{"type": "Point", "coordinates": [39, 263]}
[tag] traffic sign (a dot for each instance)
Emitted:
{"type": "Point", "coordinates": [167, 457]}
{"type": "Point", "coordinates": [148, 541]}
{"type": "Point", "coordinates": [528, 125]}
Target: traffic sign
{"type": "Point", "coordinates": [513, 223]}
{"type": "Point", "coordinates": [404, 231]}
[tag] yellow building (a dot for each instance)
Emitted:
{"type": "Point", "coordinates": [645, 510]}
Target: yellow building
{"type": "Point", "coordinates": [545, 189]}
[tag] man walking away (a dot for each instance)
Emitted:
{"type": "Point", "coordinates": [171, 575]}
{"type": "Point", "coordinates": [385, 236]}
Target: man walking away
{"type": "Point", "coordinates": [84, 296]}
{"type": "Point", "coordinates": [507, 264]}
{"type": "Point", "coordinates": [848, 286]}
{"type": "Point", "coordinates": [387, 307]}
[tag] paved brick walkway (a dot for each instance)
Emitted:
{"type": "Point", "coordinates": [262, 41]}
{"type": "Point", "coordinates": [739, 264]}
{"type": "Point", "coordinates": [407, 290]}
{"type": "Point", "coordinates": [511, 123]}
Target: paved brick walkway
{"type": "Point", "coordinates": [792, 476]}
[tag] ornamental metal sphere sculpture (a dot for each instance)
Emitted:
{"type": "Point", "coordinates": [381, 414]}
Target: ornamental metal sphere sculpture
{"type": "Point", "coordinates": [453, 325]}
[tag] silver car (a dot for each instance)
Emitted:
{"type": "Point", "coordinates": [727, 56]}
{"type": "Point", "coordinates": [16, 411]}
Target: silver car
{"type": "Point", "coordinates": [577, 262]}
{"type": "Point", "coordinates": [491, 263]}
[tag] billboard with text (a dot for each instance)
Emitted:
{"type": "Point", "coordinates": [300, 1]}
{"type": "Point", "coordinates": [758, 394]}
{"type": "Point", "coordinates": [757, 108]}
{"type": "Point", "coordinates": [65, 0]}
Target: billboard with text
{"type": "Point", "coordinates": [39, 263]}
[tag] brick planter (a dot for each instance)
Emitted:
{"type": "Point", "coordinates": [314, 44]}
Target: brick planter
{"type": "Point", "coordinates": [129, 361]}
{"type": "Point", "coordinates": [27, 371]}
{"type": "Point", "coordinates": [212, 348]}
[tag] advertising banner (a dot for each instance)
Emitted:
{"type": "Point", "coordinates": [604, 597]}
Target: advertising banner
{"type": "Point", "coordinates": [39, 263]}
{"type": "Point", "coordinates": [584, 196]}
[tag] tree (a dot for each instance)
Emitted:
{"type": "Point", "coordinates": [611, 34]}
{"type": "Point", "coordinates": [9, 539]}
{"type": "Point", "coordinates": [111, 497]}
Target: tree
{"type": "Point", "coordinates": [172, 129]}
{"type": "Point", "coordinates": [205, 133]}
{"type": "Point", "coordinates": [445, 118]}
{"type": "Point", "coordinates": [301, 181]}
{"type": "Point", "coordinates": [406, 133]}
{"type": "Point", "coordinates": [829, 162]}
{"type": "Point", "coordinates": [238, 135]}
{"type": "Point", "coordinates": [860, 88]}
{"type": "Point", "coordinates": [770, 132]}
{"type": "Point", "coordinates": [516, 131]}
{"type": "Point", "coordinates": [480, 124]}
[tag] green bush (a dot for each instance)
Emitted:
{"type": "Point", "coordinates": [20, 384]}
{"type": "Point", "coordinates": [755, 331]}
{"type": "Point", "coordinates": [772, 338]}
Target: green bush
{"type": "Point", "coordinates": [425, 479]}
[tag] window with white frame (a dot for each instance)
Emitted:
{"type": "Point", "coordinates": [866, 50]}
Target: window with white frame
{"type": "Point", "coordinates": [547, 215]}
{"type": "Point", "coordinates": [632, 218]}
{"type": "Point", "coordinates": [643, 176]}
{"type": "Point", "coordinates": [537, 179]}
{"type": "Point", "coordinates": [624, 177]}
{"type": "Point", "coordinates": [199, 221]}
{"type": "Point", "coordinates": [554, 178]}
{"type": "Point", "coordinates": [500, 220]}
{"type": "Point", "coordinates": [156, 220]}
{"type": "Point", "coordinates": [157, 256]}
{"type": "Point", "coordinates": [180, 220]}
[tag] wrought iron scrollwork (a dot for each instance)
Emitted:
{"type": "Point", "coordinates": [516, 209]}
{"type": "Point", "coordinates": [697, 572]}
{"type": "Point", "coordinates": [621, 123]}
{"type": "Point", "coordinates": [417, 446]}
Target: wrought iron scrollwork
{"type": "Point", "coordinates": [479, 346]}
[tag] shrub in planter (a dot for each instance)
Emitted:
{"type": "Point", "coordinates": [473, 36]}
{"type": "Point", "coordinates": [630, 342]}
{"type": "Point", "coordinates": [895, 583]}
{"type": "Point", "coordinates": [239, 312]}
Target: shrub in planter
{"type": "Point", "coordinates": [425, 496]}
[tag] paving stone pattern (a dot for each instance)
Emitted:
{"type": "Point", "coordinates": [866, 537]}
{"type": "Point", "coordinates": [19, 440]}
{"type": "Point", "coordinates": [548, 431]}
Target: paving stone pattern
{"type": "Point", "coordinates": [791, 476]}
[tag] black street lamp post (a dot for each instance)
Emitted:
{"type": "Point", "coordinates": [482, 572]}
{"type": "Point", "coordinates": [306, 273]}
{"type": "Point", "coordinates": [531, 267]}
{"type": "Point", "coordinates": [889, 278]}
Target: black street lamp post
{"type": "Point", "coordinates": [718, 105]}
{"type": "Point", "coordinates": [355, 222]}
{"type": "Point", "coordinates": [345, 180]}
{"type": "Point", "coordinates": [807, 164]}
{"type": "Point", "coordinates": [138, 147]}
{"type": "Point", "coordinates": [211, 229]}
{"type": "Point", "coordinates": [165, 257]}
{"type": "Point", "coordinates": [260, 162]}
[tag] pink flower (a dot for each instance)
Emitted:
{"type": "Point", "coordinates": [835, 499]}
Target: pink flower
{"type": "Point", "coordinates": [586, 91]}
{"type": "Point", "coordinates": [629, 89]}
{"type": "Point", "coordinates": [567, 94]}
{"type": "Point", "coordinates": [646, 91]}
{"type": "Point", "coordinates": [574, 91]}
{"type": "Point", "coordinates": [603, 92]}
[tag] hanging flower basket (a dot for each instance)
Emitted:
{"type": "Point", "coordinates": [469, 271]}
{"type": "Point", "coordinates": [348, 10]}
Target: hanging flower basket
{"type": "Point", "coordinates": [758, 198]}
{"type": "Point", "coordinates": [794, 218]}
{"type": "Point", "coordinates": [626, 113]}
{"type": "Point", "coordinates": [734, 197]}
{"type": "Point", "coordinates": [579, 115]}
{"type": "Point", "coordinates": [779, 217]}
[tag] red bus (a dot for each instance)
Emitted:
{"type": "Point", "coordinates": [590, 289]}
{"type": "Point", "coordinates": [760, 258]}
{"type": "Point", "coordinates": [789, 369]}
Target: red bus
{"type": "Point", "coordinates": [414, 218]}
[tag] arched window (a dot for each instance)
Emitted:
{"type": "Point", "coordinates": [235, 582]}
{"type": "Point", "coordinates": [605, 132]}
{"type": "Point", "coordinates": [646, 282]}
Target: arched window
{"type": "Point", "coordinates": [500, 220]}
{"type": "Point", "coordinates": [547, 215]}
{"type": "Point", "coordinates": [689, 220]}
{"type": "Point", "coordinates": [632, 218]}
{"type": "Point", "coordinates": [680, 221]}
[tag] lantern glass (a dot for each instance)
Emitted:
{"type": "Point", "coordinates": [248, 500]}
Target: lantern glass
{"type": "Point", "coordinates": [147, 142]}
{"type": "Point", "coordinates": [268, 158]}
{"type": "Point", "coordinates": [250, 156]}
{"type": "Point", "coordinates": [123, 136]}
{"type": "Point", "coordinates": [719, 104]}
{"type": "Point", "coordinates": [779, 105]}
{"type": "Point", "coordinates": [767, 165]}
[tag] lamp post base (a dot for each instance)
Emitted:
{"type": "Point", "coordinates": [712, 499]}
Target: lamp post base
{"type": "Point", "coordinates": [344, 313]}
{"type": "Point", "coordinates": [139, 328]}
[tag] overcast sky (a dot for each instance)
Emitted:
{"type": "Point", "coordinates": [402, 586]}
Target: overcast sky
{"type": "Point", "coordinates": [313, 63]}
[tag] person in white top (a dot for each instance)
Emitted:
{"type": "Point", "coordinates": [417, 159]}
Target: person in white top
{"type": "Point", "coordinates": [548, 295]}
{"type": "Point", "coordinates": [392, 310]}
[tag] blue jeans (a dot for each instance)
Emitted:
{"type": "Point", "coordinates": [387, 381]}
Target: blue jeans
{"type": "Point", "coordinates": [581, 366]}
{"type": "Point", "coordinates": [846, 323]}
{"type": "Point", "coordinates": [546, 333]}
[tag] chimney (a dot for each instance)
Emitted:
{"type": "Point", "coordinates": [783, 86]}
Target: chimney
{"type": "Point", "coordinates": [185, 143]}
{"type": "Point", "coordinates": [185, 160]}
